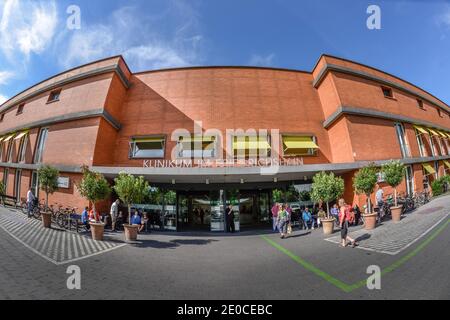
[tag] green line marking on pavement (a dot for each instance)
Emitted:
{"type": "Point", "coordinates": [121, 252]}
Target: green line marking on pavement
{"type": "Point", "coordinates": [342, 285]}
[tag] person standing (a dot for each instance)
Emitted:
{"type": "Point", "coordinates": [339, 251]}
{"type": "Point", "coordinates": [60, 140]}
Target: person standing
{"type": "Point", "coordinates": [275, 210]}
{"type": "Point", "coordinates": [283, 221]}
{"type": "Point", "coordinates": [30, 201]}
{"type": "Point", "coordinates": [230, 219]}
{"type": "Point", "coordinates": [114, 213]}
{"type": "Point", "coordinates": [344, 218]}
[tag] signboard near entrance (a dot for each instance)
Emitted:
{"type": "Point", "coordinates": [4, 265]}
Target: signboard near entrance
{"type": "Point", "coordinates": [63, 182]}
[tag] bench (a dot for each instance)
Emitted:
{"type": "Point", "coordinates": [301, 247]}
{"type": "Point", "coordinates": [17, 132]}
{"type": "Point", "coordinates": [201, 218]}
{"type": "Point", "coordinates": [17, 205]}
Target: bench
{"type": "Point", "coordinates": [8, 200]}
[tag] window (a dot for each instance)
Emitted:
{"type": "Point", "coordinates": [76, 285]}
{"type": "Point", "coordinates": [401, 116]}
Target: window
{"type": "Point", "coordinates": [441, 146]}
{"type": "Point", "coordinates": [17, 184]}
{"type": "Point", "coordinates": [436, 168]}
{"type": "Point", "coordinates": [423, 151]}
{"type": "Point", "coordinates": [2, 117]}
{"type": "Point", "coordinates": [5, 179]}
{"type": "Point", "coordinates": [20, 109]}
{"type": "Point", "coordinates": [387, 92]}
{"type": "Point", "coordinates": [1, 151]}
{"type": "Point", "coordinates": [409, 180]}
{"type": "Point", "coordinates": [141, 148]}
{"type": "Point", "coordinates": [40, 146]}
{"type": "Point", "coordinates": [34, 184]}
{"type": "Point", "coordinates": [197, 147]}
{"type": "Point", "coordinates": [9, 154]}
{"type": "Point", "coordinates": [299, 146]}
{"type": "Point", "coordinates": [432, 146]}
{"type": "Point", "coordinates": [420, 104]}
{"type": "Point", "coordinates": [54, 96]}
{"type": "Point", "coordinates": [23, 148]}
{"type": "Point", "coordinates": [246, 147]}
{"type": "Point", "coordinates": [401, 135]}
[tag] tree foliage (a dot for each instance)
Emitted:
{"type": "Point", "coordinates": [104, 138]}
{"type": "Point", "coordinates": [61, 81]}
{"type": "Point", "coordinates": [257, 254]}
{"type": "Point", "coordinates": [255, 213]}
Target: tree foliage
{"type": "Point", "coordinates": [327, 188]}
{"type": "Point", "coordinates": [48, 180]}
{"type": "Point", "coordinates": [93, 186]}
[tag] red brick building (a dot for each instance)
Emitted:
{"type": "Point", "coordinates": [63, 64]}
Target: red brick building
{"type": "Point", "coordinates": [339, 117]}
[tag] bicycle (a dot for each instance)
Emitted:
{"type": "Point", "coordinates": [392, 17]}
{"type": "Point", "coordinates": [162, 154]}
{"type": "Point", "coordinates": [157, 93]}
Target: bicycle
{"type": "Point", "coordinates": [63, 217]}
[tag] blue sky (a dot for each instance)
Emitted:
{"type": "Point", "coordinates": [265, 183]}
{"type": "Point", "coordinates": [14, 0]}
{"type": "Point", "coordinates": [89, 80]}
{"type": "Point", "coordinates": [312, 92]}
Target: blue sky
{"type": "Point", "coordinates": [413, 43]}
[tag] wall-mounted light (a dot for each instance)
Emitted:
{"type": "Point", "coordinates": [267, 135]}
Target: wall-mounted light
{"type": "Point", "coordinates": [305, 178]}
{"type": "Point", "coordinates": [242, 181]}
{"type": "Point", "coordinates": [275, 180]}
{"type": "Point", "coordinates": [207, 181]}
{"type": "Point", "coordinates": [173, 181]}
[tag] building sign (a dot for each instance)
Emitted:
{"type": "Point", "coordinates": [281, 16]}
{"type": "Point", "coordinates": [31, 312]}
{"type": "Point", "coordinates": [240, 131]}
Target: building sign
{"type": "Point", "coordinates": [381, 177]}
{"type": "Point", "coordinates": [222, 163]}
{"type": "Point", "coordinates": [63, 182]}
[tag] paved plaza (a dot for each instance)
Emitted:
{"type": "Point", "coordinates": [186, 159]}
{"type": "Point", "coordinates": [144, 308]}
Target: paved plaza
{"type": "Point", "coordinates": [413, 257]}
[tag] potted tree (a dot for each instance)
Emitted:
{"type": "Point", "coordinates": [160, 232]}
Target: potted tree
{"type": "Point", "coordinates": [131, 190]}
{"type": "Point", "coordinates": [394, 172]}
{"type": "Point", "coordinates": [48, 181]}
{"type": "Point", "coordinates": [94, 187]}
{"type": "Point", "coordinates": [327, 188]}
{"type": "Point", "coordinates": [364, 183]}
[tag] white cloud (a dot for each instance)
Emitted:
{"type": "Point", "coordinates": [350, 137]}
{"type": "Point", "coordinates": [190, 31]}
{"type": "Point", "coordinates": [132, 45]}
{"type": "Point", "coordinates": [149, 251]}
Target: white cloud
{"type": "Point", "coordinates": [27, 27]}
{"type": "Point", "coordinates": [5, 76]}
{"type": "Point", "coordinates": [262, 61]}
{"type": "Point", "coordinates": [147, 42]}
{"type": "Point", "coordinates": [3, 99]}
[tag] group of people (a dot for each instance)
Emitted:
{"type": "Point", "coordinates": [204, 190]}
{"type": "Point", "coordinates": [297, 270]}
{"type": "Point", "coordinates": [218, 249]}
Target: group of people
{"type": "Point", "coordinates": [137, 219]}
{"type": "Point", "coordinates": [343, 214]}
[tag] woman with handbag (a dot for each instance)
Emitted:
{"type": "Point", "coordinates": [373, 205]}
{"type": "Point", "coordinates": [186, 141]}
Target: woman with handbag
{"type": "Point", "coordinates": [283, 221]}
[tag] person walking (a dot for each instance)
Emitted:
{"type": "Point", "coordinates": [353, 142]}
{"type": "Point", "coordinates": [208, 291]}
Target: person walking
{"type": "Point", "coordinates": [275, 210]}
{"type": "Point", "coordinates": [114, 213]}
{"type": "Point", "coordinates": [230, 219]}
{"type": "Point", "coordinates": [30, 203]}
{"type": "Point", "coordinates": [307, 218]}
{"type": "Point", "coordinates": [283, 221]}
{"type": "Point", "coordinates": [344, 218]}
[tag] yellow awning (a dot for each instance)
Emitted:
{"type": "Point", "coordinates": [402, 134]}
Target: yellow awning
{"type": "Point", "coordinates": [421, 130]}
{"type": "Point", "coordinates": [251, 144]}
{"type": "Point", "coordinates": [292, 142]}
{"type": "Point", "coordinates": [428, 168]}
{"type": "Point", "coordinates": [149, 140]}
{"type": "Point", "coordinates": [197, 139]}
{"type": "Point", "coordinates": [448, 134]}
{"type": "Point", "coordinates": [1, 139]}
{"type": "Point", "coordinates": [434, 133]}
{"type": "Point", "coordinates": [442, 134]}
{"type": "Point", "coordinates": [447, 164]}
{"type": "Point", "coordinates": [19, 136]}
{"type": "Point", "coordinates": [8, 138]}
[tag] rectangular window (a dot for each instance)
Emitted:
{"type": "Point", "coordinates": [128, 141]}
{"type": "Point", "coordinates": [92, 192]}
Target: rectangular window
{"type": "Point", "coordinates": [9, 154]}
{"type": "Point", "coordinates": [387, 92]}
{"type": "Point", "coordinates": [409, 180]}
{"type": "Point", "coordinates": [436, 168]}
{"type": "Point", "coordinates": [54, 96]}
{"type": "Point", "coordinates": [197, 147]}
{"type": "Point", "coordinates": [2, 117]}
{"type": "Point", "coordinates": [440, 113]}
{"type": "Point", "coordinates": [39, 153]}
{"type": "Point", "coordinates": [401, 135]}
{"type": "Point", "coordinates": [23, 148]}
{"type": "Point", "coordinates": [35, 184]}
{"type": "Point", "coordinates": [17, 184]}
{"type": "Point", "coordinates": [422, 150]}
{"type": "Point", "coordinates": [420, 104]}
{"type": "Point", "coordinates": [299, 145]}
{"type": "Point", "coordinates": [20, 109]}
{"type": "Point", "coordinates": [5, 179]}
{"type": "Point", "coordinates": [1, 151]}
{"type": "Point", "coordinates": [151, 148]}
{"type": "Point", "coordinates": [441, 146]}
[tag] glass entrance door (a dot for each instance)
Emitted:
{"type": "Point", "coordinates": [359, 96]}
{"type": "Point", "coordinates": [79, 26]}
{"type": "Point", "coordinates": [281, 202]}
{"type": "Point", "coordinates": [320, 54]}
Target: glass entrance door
{"type": "Point", "coordinates": [201, 211]}
{"type": "Point", "coordinates": [254, 209]}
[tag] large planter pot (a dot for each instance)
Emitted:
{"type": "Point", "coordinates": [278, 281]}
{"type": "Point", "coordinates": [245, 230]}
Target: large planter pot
{"type": "Point", "coordinates": [46, 220]}
{"type": "Point", "coordinates": [370, 221]}
{"type": "Point", "coordinates": [131, 232]}
{"type": "Point", "coordinates": [97, 231]}
{"type": "Point", "coordinates": [396, 213]}
{"type": "Point", "coordinates": [328, 225]}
